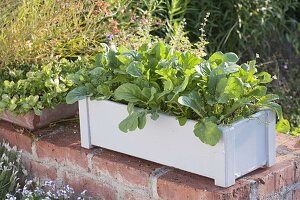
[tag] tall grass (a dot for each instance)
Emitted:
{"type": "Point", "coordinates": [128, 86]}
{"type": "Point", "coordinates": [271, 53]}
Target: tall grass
{"type": "Point", "coordinates": [35, 31]}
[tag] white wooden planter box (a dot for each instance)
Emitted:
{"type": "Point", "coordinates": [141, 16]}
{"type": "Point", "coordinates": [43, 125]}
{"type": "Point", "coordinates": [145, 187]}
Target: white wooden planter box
{"type": "Point", "coordinates": [245, 146]}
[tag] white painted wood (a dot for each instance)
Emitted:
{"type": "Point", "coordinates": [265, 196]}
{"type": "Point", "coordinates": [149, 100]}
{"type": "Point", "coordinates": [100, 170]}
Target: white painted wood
{"type": "Point", "coordinates": [241, 149]}
{"type": "Point", "coordinates": [270, 138]}
{"type": "Point", "coordinates": [84, 124]}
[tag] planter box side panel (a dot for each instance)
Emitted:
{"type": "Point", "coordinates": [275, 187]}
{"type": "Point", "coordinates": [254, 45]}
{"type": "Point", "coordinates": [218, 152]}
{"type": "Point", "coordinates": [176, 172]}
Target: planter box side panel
{"type": "Point", "coordinates": [251, 142]}
{"type": "Point", "coordinates": [171, 145]}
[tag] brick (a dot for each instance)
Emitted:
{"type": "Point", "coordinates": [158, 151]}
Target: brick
{"type": "Point", "coordinates": [274, 179]}
{"type": "Point", "coordinates": [64, 148]}
{"type": "Point", "coordinates": [123, 168]}
{"type": "Point", "coordinates": [39, 170]}
{"type": "Point", "coordinates": [15, 137]}
{"type": "Point", "coordinates": [296, 194]}
{"type": "Point", "coordinates": [179, 185]}
{"type": "Point", "coordinates": [132, 195]}
{"type": "Point", "coordinates": [94, 188]}
{"type": "Point", "coordinates": [288, 144]}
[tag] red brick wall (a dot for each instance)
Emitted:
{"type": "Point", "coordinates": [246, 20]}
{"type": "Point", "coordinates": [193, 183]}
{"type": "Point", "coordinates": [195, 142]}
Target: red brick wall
{"type": "Point", "coordinates": [55, 153]}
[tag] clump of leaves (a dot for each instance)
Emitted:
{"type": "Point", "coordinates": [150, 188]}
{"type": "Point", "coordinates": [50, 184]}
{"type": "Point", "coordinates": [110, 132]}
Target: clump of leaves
{"type": "Point", "coordinates": [12, 173]}
{"type": "Point", "coordinates": [34, 87]}
{"type": "Point", "coordinates": [156, 78]}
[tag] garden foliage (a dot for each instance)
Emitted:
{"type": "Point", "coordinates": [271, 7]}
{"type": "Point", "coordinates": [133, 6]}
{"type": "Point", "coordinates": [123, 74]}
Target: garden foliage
{"type": "Point", "coordinates": [158, 79]}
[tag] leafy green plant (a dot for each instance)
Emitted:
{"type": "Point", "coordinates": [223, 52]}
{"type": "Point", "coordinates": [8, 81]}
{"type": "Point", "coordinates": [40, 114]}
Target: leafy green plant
{"type": "Point", "coordinates": [12, 173]}
{"type": "Point", "coordinates": [34, 87]}
{"type": "Point", "coordinates": [157, 79]}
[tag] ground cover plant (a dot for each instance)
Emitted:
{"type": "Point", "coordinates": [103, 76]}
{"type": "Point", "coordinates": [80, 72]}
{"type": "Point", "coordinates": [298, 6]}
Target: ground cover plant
{"type": "Point", "coordinates": [12, 173]}
{"type": "Point", "coordinates": [33, 190]}
{"type": "Point", "coordinates": [33, 87]}
{"type": "Point", "coordinates": [158, 79]}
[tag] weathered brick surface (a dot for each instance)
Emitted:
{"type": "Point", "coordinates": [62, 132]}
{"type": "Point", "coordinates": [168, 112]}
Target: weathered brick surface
{"type": "Point", "coordinates": [123, 168]}
{"type": "Point", "coordinates": [131, 195]}
{"type": "Point", "coordinates": [296, 194]}
{"type": "Point", "coordinates": [274, 179]}
{"type": "Point", "coordinates": [15, 136]}
{"type": "Point", "coordinates": [179, 185]}
{"type": "Point", "coordinates": [58, 150]}
{"type": "Point", "coordinates": [94, 188]}
{"type": "Point", "coordinates": [37, 169]}
{"type": "Point", "coordinates": [63, 148]}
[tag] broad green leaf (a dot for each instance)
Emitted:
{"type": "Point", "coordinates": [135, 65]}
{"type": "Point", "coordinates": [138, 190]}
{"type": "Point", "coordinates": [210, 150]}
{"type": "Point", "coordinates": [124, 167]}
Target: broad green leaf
{"type": "Point", "coordinates": [217, 57]}
{"type": "Point", "coordinates": [130, 123]}
{"type": "Point", "coordinates": [203, 69]}
{"type": "Point", "coordinates": [283, 126]}
{"type": "Point", "coordinates": [193, 101]}
{"type": "Point", "coordinates": [208, 132]}
{"type": "Point", "coordinates": [234, 87]}
{"type": "Point", "coordinates": [130, 93]}
{"type": "Point", "coordinates": [135, 69]}
{"type": "Point", "coordinates": [167, 73]}
{"type": "Point", "coordinates": [230, 57]}
{"type": "Point", "coordinates": [149, 93]}
{"type": "Point", "coordinates": [264, 77]}
{"type": "Point", "coordinates": [125, 59]}
{"type": "Point", "coordinates": [273, 106]}
{"type": "Point", "coordinates": [258, 91]}
{"type": "Point", "coordinates": [104, 90]}
{"type": "Point", "coordinates": [76, 94]}
{"type": "Point", "coordinates": [231, 88]}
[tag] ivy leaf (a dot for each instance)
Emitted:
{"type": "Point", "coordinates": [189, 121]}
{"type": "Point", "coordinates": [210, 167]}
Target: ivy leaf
{"type": "Point", "coordinates": [129, 92]}
{"type": "Point", "coordinates": [130, 123]}
{"type": "Point", "coordinates": [283, 126]}
{"type": "Point", "coordinates": [76, 94]}
{"type": "Point", "coordinates": [208, 132]}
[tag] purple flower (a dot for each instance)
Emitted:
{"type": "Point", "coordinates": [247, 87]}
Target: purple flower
{"type": "Point", "coordinates": [109, 37]}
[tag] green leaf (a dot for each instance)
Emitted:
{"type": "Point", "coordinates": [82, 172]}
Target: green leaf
{"type": "Point", "coordinates": [264, 77]}
{"type": "Point", "coordinates": [208, 132]}
{"type": "Point", "coordinates": [283, 126]}
{"type": "Point", "coordinates": [154, 115]}
{"type": "Point", "coordinates": [130, 93]}
{"type": "Point", "coordinates": [130, 108]}
{"type": "Point", "coordinates": [258, 91]}
{"type": "Point", "coordinates": [135, 69]}
{"type": "Point", "coordinates": [76, 94]}
{"type": "Point", "coordinates": [230, 57]}
{"type": "Point", "coordinates": [181, 120]}
{"type": "Point", "coordinates": [142, 119]}
{"type": "Point", "coordinates": [193, 101]}
{"type": "Point", "coordinates": [217, 57]}
{"type": "Point", "coordinates": [231, 88]}
{"type": "Point", "coordinates": [149, 93]}
{"type": "Point", "coordinates": [130, 123]}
